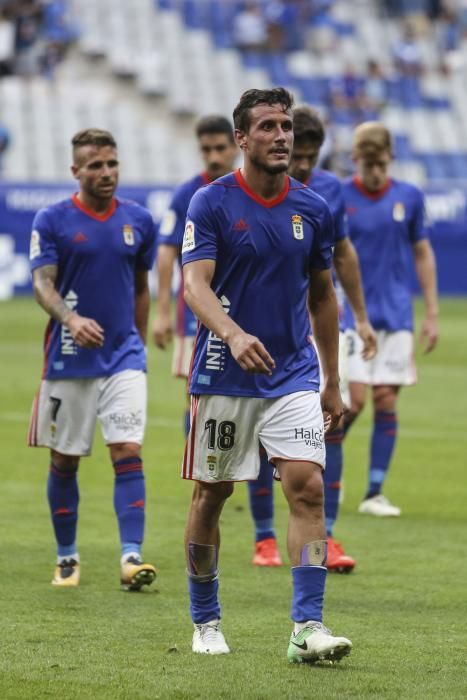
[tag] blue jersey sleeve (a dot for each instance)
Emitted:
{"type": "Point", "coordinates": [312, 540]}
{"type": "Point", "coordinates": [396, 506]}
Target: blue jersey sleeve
{"type": "Point", "coordinates": [418, 225]}
{"type": "Point", "coordinates": [172, 225]}
{"type": "Point", "coordinates": [200, 238]}
{"type": "Point", "coordinates": [321, 252]}
{"type": "Point", "coordinates": [147, 250]}
{"type": "Point", "coordinates": [43, 247]}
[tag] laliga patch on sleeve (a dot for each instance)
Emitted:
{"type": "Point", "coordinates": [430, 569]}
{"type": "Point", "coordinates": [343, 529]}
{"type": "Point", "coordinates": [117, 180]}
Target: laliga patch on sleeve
{"type": "Point", "coordinates": [168, 223]}
{"type": "Point", "coordinates": [35, 245]}
{"type": "Point", "coordinates": [188, 237]}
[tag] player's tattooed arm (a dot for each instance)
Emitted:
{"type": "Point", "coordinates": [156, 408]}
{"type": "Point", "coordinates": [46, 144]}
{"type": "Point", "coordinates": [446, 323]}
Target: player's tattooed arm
{"type": "Point", "coordinates": [85, 331]}
{"type": "Point", "coordinates": [46, 295]}
{"type": "Point", "coordinates": [142, 302]}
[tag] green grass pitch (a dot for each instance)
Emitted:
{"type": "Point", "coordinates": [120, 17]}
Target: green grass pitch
{"type": "Point", "coordinates": [404, 607]}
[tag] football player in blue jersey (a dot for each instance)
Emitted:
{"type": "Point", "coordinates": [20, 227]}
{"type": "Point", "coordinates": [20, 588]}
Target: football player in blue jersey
{"type": "Point", "coordinates": [387, 225]}
{"type": "Point", "coordinates": [218, 151]}
{"type": "Point", "coordinates": [90, 257]}
{"type": "Point", "coordinates": [257, 252]}
{"type": "Point", "coordinates": [308, 139]}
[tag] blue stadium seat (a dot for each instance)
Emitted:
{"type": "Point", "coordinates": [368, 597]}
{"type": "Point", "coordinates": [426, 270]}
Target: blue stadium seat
{"type": "Point", "coordinates": [278, 71]}
{"type": "Point", "coordinates": [403, 150]}
{"type": "Point", "coordinates": [434, 164]}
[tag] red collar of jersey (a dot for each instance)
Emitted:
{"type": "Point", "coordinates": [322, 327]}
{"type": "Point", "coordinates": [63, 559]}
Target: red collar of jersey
{"type": "Point", "coordinates": [99, 217]}
{"type": "Point", "coordinates": [264, 202]}
{"type": "Point", "coordinates": [205, 178]}
{"type": "Point", "coordinates": [368, 193]}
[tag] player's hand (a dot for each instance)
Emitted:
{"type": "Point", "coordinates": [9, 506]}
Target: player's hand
{"type": "Point", "coordinates": [429, 333]}
{"type": "Point", "coordinates": [332, 406]}
{"type": "Point", "coordinates": [86, 332]}
{"type": "Point", "coordinates": [251, 354]}
{"type": "Point", "coordinates": [162, 331]}
{"type": "Point", "coordinates": [368, 336]}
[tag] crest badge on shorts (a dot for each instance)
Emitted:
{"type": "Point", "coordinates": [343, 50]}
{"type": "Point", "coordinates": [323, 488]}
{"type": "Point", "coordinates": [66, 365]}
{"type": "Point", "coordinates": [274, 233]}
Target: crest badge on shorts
{"type": "Point", "coordinates": [212, 465]}
{"type": "Point", "coordinates": [128, 235]}
{"type": "Point", "coordinates": [398, 213]}
{"type": "Point", "coordinates": [297, 227]}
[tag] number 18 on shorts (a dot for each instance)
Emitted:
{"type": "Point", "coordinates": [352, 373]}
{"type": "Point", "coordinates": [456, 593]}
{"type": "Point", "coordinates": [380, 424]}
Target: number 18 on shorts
{"type": "Point", "coordinates": [226, 432]}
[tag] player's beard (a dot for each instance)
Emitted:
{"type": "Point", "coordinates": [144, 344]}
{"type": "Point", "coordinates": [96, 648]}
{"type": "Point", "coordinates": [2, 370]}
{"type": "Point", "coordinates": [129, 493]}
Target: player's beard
{"type": "Point", "coordinates": [270, 169]}
{"type": "Point", "coordinates": [103, 194]}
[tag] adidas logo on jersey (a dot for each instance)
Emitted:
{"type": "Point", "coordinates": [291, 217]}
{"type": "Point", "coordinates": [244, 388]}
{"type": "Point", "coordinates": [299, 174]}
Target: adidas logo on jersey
{"type": "Point", "coordinates": [241, 225]}
{"type": "Point", "coordinates": [80, 237]}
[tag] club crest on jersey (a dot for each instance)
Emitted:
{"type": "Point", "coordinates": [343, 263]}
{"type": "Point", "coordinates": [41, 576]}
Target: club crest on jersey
{"type": "Point", "coordinates": [297, 227]}
{"type": "Point", "coordinates": [128, 235]}
{"type": "Point", "coordinates": [398, 213]}
{"type": "Point", "coordinates": [188, 237]}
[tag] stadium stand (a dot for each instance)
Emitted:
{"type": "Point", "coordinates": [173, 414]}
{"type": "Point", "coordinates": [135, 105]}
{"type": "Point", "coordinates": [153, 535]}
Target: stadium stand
{"type": "Point", "coordinates": [146, 68]}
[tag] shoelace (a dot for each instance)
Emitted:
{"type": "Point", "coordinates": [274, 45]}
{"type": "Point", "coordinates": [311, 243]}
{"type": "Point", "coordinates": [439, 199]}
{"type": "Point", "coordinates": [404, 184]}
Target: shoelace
{"type": "Point", "coordinates": [208, 632]}
{"type": "Point", "coordinates": [67, 563]}
{"type": "Point", "coordinates": [317, 627]}
{"type": "Point", "coordinates": [383, 500]}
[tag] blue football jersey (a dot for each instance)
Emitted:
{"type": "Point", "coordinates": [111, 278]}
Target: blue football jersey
{"type": "Point", "coordinates": [329, 187]}
{"type": "Point", "coordinates": [96, 258]}
{"type": "Point", "coordinates": [264, 251]}
{"type": "Point", "coordinates": [171, 231]}
{"type": "Point", "coordinates": [383, 227]}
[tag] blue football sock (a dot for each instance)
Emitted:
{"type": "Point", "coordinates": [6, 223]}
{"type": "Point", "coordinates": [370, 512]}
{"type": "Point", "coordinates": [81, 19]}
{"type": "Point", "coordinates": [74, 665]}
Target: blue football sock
{"type": "Point", "coordinates": [332, 477]}
{"type": "Point", "coordinates": [63, 496]}
{"type": "Point", "coordinates": [186, 422]}
{"type": "Point", "coordinates": [204, 603]}
{"type": "Point", "coordinates": [131, 548]}
{"type": "Point", "coordinates": [383, 441]}
{"type": "Point", "coordinates": [129, 502]}
{"type": "Point", "coordinates": [308, 593]}
{"type": "Point", "coordinates": [262, 500]}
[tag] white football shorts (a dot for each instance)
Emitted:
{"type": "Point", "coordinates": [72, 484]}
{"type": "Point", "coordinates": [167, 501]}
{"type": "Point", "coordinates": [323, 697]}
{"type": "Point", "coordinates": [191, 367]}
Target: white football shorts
{"type": "Point", "coordinates": [183, 351]}
{"type": "Point", "coordinates": [392, 365]}
{"type": "Point", "coordinates": [226, 432]}
{"type": "Point", "coordinates": [65, 411]}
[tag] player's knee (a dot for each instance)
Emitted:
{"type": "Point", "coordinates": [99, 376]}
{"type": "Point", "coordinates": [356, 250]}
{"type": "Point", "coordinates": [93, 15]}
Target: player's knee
{"type": "Point", "coordinates": [64, 462]}
{"type": "Point", "coordinates": [357, 405]}
{"type": "Point", "coordinates": [308, 493]}
{"type": "Point", "coordinates": [211, 496]}
{"type": "Point", "coordinates": [124, 450]}
{"type": "Point", "coordinates": [385, 398]}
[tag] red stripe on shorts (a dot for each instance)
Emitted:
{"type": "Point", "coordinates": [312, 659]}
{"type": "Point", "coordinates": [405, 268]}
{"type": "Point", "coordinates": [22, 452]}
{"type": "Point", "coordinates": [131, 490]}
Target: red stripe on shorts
{"type": "Point", "coordinates": [32, 432]}
{"type": "Point", "coordinates": [192, 435]}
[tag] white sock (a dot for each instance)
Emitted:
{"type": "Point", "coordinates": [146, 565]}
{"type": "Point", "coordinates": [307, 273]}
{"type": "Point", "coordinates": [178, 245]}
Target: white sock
{"type": "Point", "coordinates": [128, 555]}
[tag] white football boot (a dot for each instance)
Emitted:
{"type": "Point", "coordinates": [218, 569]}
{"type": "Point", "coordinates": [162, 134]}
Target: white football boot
{"type": "Point", "coordinates": [379, 506]}
{"type": "Point", "coordinates": [208, 639]}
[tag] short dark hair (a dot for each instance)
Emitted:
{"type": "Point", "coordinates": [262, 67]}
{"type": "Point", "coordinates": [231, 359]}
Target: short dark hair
{"type": "Point", "coordinates": [214, 124]}
{"type": "Point", "coordinates": [252, 98]}
{"type": "Point", "coordinates": [93, 137]}
{"type": "Point", "coordinates": [307, 126]}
